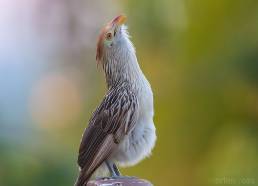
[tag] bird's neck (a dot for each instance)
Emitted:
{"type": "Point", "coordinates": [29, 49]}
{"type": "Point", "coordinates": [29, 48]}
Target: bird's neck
{"type": "Point", "coordinates": [123, 68]}
{"type": "Point", "coordinates": [129, 72]}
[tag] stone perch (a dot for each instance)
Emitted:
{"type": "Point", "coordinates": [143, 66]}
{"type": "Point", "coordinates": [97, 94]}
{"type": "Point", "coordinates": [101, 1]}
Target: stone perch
{"type": "Point", "coordinates": [119, 182]}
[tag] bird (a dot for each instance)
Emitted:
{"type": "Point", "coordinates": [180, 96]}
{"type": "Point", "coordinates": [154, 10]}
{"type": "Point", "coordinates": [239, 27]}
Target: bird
{"type": "Point", "coordinates": [121, 131]}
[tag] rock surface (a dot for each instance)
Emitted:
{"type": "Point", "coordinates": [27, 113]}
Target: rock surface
{"type": "Point", "coordinates": [127, 181]}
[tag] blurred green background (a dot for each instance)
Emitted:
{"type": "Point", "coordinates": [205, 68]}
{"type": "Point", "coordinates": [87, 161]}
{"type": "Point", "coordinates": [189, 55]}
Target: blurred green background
{"type": "Point", "coordinates": [201, 58]}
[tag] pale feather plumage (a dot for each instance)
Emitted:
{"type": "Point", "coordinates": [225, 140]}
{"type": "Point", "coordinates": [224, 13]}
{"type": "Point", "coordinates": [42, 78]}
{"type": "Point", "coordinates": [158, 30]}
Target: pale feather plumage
{"type": "Point", "coordinates": [121, 130]}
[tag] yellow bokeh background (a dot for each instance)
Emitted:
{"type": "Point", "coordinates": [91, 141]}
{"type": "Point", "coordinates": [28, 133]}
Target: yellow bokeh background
{"type": "Point", "coordinates": [201, 58]}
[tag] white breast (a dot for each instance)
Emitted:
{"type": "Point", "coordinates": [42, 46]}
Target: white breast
{"type": "Point", "coordinates": [139, 143]}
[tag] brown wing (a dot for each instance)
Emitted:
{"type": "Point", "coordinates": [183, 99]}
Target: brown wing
{"type": "Point", "coordinates": [112, 120]}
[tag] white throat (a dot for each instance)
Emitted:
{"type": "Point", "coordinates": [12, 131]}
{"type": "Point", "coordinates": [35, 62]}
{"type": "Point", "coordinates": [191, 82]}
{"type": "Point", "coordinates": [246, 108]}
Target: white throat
{"type": "Point", "coordinates": [120, 63]}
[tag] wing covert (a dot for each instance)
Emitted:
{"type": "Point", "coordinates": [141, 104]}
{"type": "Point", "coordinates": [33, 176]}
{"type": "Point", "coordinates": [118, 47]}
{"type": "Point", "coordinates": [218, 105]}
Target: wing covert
{"type": "Point", "coordinates": [113, 119]}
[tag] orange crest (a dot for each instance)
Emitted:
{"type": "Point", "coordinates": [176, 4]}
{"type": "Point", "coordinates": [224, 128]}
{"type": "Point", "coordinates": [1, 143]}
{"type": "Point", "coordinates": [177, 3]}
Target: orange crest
{"type": "Point", "coordinates": [119, 20]}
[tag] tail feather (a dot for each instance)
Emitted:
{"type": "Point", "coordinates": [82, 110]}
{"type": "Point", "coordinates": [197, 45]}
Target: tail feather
{"type": "Point", "coordinates": [82, 179]}
{"type": "Point", "coordinates": [93, 161]}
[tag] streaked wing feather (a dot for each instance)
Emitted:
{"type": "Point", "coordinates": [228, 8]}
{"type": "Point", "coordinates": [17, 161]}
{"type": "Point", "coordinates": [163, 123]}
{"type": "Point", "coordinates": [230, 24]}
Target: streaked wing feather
{"type": "Point", "coordinates": [111, 121]}
{"type": "Point", "coordinates": [108, 145]}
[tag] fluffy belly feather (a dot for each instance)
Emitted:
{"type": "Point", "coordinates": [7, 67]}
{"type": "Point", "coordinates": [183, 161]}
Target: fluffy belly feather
{"type": "Point", "coordinates": [136, 145]}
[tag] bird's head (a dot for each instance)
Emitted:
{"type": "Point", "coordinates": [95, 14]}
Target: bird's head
{"type": "Point", "coordinates": [110, 36]}
{"type": "Point", "coordinates": [116, 53]}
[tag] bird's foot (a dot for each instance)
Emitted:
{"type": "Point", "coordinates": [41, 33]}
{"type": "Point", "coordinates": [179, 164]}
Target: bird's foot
{"type": "Point", "coordinates": [104, 178]}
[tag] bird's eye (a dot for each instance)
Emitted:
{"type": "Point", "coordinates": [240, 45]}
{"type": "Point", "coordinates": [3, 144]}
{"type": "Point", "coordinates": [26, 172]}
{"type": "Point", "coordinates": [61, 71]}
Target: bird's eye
{"type": "Point", "coordinates": [109, 36]}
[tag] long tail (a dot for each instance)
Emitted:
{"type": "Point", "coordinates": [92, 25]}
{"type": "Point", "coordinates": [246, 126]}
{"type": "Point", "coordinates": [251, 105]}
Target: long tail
{"type": "Point", "coordinates": [82, 179]}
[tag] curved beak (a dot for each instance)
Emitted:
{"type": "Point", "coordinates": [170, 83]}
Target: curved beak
{"type": "Point", "coordinates": [119, 20]}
